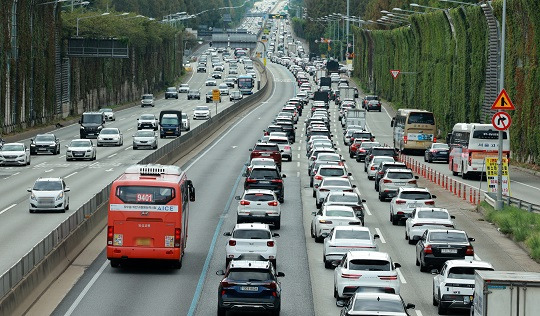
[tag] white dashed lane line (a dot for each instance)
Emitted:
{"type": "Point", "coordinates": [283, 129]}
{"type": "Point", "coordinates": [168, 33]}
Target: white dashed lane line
{"type": "Point", "coordinates": [380, 235]}
{"type": "Point", "coordinates": [7, 209]}
{"type": "Point", "coordinates": [71, 174]}
{"type": "Point", "coordinates": [400, 275]}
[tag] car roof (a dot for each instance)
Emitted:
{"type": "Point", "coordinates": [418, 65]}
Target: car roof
{"type": "Point", "coordinates": [252, 225]}
{"type": "Point", "coordinates": [375, 295]}
{"type": "Point", "coordinates": [250, 264]}
{"type": "Point", "coordinates": [49, 179]}
{"type": "Point", "coordinates": [262, 191]}
{"type": "Point", "coordinates": [368, 255]}
{"type": "Point", "coordinates": [399, 170]}
{"type": "Point", "coordinates": [468, 263]}
{"type": "Point", "coordinates": [413, 189]}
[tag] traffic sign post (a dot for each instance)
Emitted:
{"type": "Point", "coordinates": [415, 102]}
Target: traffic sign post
{"type": "Point", "coordinates": [394, 73]}
{"type": "Point", "coordinates": [216, 96]}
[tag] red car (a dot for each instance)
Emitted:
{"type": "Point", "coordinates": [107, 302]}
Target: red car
{"type": "Point", "coordinates": [266, 150]}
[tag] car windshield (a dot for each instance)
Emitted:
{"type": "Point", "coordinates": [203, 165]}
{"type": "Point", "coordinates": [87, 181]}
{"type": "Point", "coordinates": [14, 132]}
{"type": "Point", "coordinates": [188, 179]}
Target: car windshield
{"type": "Point", "coordinates": [378, 305]}
{"type": "Point", "coordinates": [251, 234]}
{"type": "Point", "coordinates": [264, 174]}
{"type": "Point", "coordinates": [339, 213]}
{"type": "Point", "coordinates": [44, 138]}
{"type": "Point", "coordinates": [336, 182]}
{"type": "Point", "coordinates": [447, 236]}
{"type": "Point", "coordinates": [378, 160]}
{"type": "Point", "coordinates": [412, 195]}
{"type": "Point", "coordinates": [466, 273]}
{"type": "Point", "coordinates": [169, 120]}
{"type": "Point", "coordinates": [201, 108]}
{"type": "Point", "coordinates": [108, 131]}
{"type": "Point", "coordinates": [249, 275]}
{"type": "Point", "coordinates": [440, 146]}
{"type": "Point", "coordinates": [351, 234]}
{"type": "Point", "coordinates": [47, 186]}
{"type": "Point", "coordinates": [105, 110]}
{"type": "Point", "coordinates": [369, 265]}
{"type": "Point", "coordinates": [332, 172]}
{"type": "Point", "coordinates": [92, 118]}
{"type": "Point", "coordinates": [147, 97]}
{"type": "Point", "coordinates": [171, 89]}
{"type": "Point", "coordinates": [258, 197]}
{"type": "Point", "coordinates": [347, 198]}
{"type": "Point", "coordinates": [145, 134]}
{"type": "Point", "coordinates": [134, 194]}
{"type": "Point", "coordinates": [80, 143]}
{"type": "Point", "coordinates": [399, 175]}
{"type": "Point", "coordinates": [147, 117]}
{"type": "Point", "coordinates": [433, 214]}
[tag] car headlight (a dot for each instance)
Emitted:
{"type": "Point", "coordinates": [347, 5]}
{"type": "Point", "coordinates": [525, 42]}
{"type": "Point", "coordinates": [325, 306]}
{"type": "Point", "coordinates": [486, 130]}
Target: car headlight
{"type": "Point", "coordinates": [68, 151]}
{"type": "Point", "coordinates": [100, 127]}
{"type": "Point", "coordinates": [60, 196]}
{"type": "Point", "coordinates": [33, 197]}
{"type": "Point", "coordinates": [32, 145]}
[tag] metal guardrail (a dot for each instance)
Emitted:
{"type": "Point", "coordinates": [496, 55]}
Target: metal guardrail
{"type": "Point", "coordinates": [491, 198]}
{"type": "Point", "coordinates": [11, 278]}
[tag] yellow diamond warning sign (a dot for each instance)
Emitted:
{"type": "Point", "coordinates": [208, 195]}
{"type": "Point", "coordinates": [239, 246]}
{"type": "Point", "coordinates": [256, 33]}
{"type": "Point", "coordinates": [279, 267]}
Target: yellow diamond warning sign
{"type": "Point", "coordinates": [503, 102]}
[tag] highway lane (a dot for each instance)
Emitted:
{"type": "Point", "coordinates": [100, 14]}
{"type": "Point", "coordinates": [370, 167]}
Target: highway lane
{"type": "Point", "coordinates": [416, 287]}
{"type": "Point", "coordinates": [20, 230]}
{"type": "Point", "coordinates": [215, 173]}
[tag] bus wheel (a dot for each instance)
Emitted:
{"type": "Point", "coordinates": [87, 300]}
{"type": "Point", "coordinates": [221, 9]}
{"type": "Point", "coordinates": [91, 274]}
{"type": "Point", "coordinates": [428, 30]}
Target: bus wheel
{"type": "Point", "coordinates": [177, 264]}
{"type": "Point", "coordinates": [463, 174]}
{"type": "Point", "coordinates": [115, 264]}
{"type": "Point", "coordinates": [454, 173]}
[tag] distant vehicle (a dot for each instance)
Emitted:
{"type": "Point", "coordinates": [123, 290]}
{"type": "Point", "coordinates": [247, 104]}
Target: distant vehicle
{"type": "Point", "coordinates": [413, 129]}
{"type": "Point", "coordinates": [184, 88]}
{"type": "Point", "coordinates": [194, 94]}
{"type": "Point", "coordinates": [235, 95]}
{"type": "Point", "coordinates": [170, 123]}
{"type": "Point", "coordinates": [210, 82]}
{"type": "Point", "coordinates": [147, 100]}
{"type": "Point", "coordinates": [437, 151]}
{"type": "Point", "coordinates": [14, 154]}
{"type": "Point", "coordinates": [110, 136]}
{"type": "Point", "coordinates": [45, 143]}
{"type": "Point", "coordinates": [147, 121]}
{"type": "Point", "coordinates": [171, 93]}
{"type": "Point", "coordinates": [202, 112]}
{"type": "Point", "coordinates": [210, 97]}
{"type": "Point", "coordinates": [245, 84]}
{"type": "Point", "coordinates": [49, 194]}
{"type": "Point", "coordinates": [145, 138]}
{"type": "Point", "coordinates": [223, 89]}
{"type": "Point", "coordinates": [91, 124]}
{"type": "Point", "coordinates": [109, 114]}
{"type": "Point", "coordinates": [81, 149]}
{"type": "Point", "coordinates": [186, 125]}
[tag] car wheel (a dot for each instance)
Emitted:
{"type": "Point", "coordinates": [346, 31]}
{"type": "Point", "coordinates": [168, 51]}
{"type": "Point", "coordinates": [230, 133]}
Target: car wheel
{"type": "Point", "coordinates": [115, 263]}
{"type": "Point", "coordinates": [430, 159]}
{"type": "Point", "coordinates": [406, 236]}
{"type": "Point", "coordinates": [336, 294]}
{"type": "Point", "coordinates": [312, 233]}
{"type": "Point", "coordinates": [95, 157]}
{"type": "Point", "coordinates": [277, 224]}
{"type": "Point", "coordinates": [395, 221]}
{"type": "Point", "coordinates": [31, 211]}
{"type": "Point", "coordinates": [423, 267]}
{"type": "Point", "coordinates": [328, 264]}
{"type": "Point", "coordinates": [66, 208]}
{"type": "Point", "coordinates": [441, 309]}
{"type": "Point", "coordinates": [314, 194]}
{"type": "Point", "coordinates": [464, 175]}
{"type": "Point", "coordinates": [435, 302]}
{"type": "Point", "coordinates": [380, 197]}
{"type": "Point", "coordinates": [351, 155]}
{"type": "Point", "coordinates": [365, 168]}
{"type": "Point", "coordinates": [28, 161]}
{"type": "Point", "coordinates": [425, 158]}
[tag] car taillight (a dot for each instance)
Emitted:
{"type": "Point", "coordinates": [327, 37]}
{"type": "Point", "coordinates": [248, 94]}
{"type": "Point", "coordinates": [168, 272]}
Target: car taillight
{"type": "Point", "coordinates": [388, 278]}
{"type": "Point", "coordinates": [370, 156]}
{"type": "Point", "coordinates": [232, 242]}
{"type": "Point", "coordinates": [272, 285]}
{"type": "Point", "coordinates": [351, 276]}
{"type": "Point", "coordinates": [372, 168]}
{"type": "Point", "coordinates": [380, 172]}
{"type": "Point", "coordinates": [277, 181]}
{"type": "Point", "coordinates": [244, 202]}
{"type": "Point", "coordinates": [249, 180]}
{"type": "Point", "coordinates": [469, 251]}
{"type": "Point", "coordinates": [110, 235]}
{"type": "Point", "coordinates": [317, 177]}
{"type": "Point", "coordinates": [428, 249]}
{"type": "Point", "coordinates": [362, 150]}
{"type": "Point", "coordinates": [405, 139]}
{"type": "Point", "coordinates": [434, 139]}
{"type": "Point", "coordinates": [387, 181]}
{"type": "Point", "coordinates": [400, 202]}
{"type": "Point", "coordinates": [324, 221]}
{"type": "Point", "coordinates": [227, 284]}
{"type": "Point", "coordinates": [287, 147]}
{"type": "Point", "coordinates": [412, 181]}
{"type": "Point", "coordinates": [352, 139]}
{"type": "Point", "coordinates": [430, 202]}
{"type": "Point", "coordinates": [270, 243]}
{"type": "Point", "coordinates": [273, 203]}
{"type": "Point", "coordinates": [177, 235]}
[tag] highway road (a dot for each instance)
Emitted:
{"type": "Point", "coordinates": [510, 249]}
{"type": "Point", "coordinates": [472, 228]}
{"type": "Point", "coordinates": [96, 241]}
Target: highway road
{"type": "Point", "coordinates": [20, 230]}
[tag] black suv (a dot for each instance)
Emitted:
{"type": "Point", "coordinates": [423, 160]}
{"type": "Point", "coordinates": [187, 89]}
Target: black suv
{"type": "Point", "coordinates": [288, 128]}
{"type": "Point", "coordinates": [382, 169]}
{"type": "Point", "coordinates": [266, 177]}
{"type": "Point", "coordinates": [249, 285]}
{"type": "Point", "coordinates": [379, 151]}
{"type": "Point", "coordinates": [194, 94]}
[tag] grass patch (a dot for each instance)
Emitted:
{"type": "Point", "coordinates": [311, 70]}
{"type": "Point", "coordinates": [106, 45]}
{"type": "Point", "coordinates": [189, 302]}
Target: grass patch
{"type": "Point", "coordinates": [523, 226]}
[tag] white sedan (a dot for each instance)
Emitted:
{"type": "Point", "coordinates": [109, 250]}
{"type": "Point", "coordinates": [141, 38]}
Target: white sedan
{"type": "Point", "coordinates": [331, 184]}
{"type": "Point", "coordinates": [425, 218]}
{"type": "Point", "coordinates": [202, 112]}
{"type": "Point", "coordinates": [253, 238]}
{"type": "Point", "coordinates": [331, 216]}
{"type": "Point", "coordinates": [109, 114]}
{"type": "Point", "coordinates": [14, 154]}
{"type": "Point", "coordinates": [406, 200]}
{"type": "Point", "coordinates": [81, 149]}
{"type": "Point", "coordinates": [343, 239]}
{"type": "Point", "coordinates": [145, 138]}
{"type": "Point", "coordinates": [223, 89]}
{"type": "Point", "coordinates": [110, 136]}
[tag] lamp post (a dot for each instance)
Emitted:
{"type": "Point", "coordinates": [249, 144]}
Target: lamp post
{"type": "Point", "coordinates": [500, 204]}
{"type": "Point", "coordinates": [459, 2]}
{"type": "Point", "coordinates": [88, 17]}
{"type": "Point", "coordinates": [396, 14]}
{"type": "Point", "coordinates": [411, 11]}
{"type": "Point", "coordinates": [416, 5]}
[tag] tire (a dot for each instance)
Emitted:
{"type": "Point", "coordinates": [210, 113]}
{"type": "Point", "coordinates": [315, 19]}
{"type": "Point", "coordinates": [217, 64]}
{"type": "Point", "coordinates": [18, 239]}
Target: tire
{"type": "Point", "coordinates": [417, 262]}
{"type": "Point", "coordinates": [95, 157]}
{"type": "Point", "coordinates": [319, 239]}
{"type": "Point", "coordinates": [277, 224]}
{"type": "Point", "coordinates": [441, 309]}
{"type": "Point", "coordinates": [31, 212]}
{"type": "Point", "coordinates": [28, 162]}
{"type": "Point", "coordinates": [425, 158]}
{"type": "Point", "coordinates": [314, 194]}
{"type": "Point", "coordinates": [423, 267]}
{"type": "Point", "coordinates": [328, 264]}
{"type": "Point", "coordinates": [381, 197]}
{"type": "Point", "coordinates": [434, 302]}
{"type": "Point", "coordinates": [317, 204]}
{"type": "Point", "coordinates": [66, 208]}
{"type": "Point", "coordinates": [177, 264]}
{"type": "Point", "coordinates": [430, 159]}
{"type": "Point", "coordinates": [115, 263]}
{"type": "Point", "coordinates": [311, 183]}
{"type": "Point", "coordinates": [312, 233]}
{"type": "Point", "coordinates": [464, 175]}
{"type": "Point", "coordinates": [336, 294]}
{"type": "Point", "coordinates": [351, 154]}
{"type": "Point", "coordinates": [221, 312]}
{"type": "Point", "coordinates": [395, 221]}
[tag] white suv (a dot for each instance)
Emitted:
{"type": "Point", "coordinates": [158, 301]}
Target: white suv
{"type": "Point", "coordinates": [394, 179]}
{"type": "Point", "coordinates": [366, 270]}
{"type": "Point", "coordinates": [406, 200]}
{"type": "Point", "coordinates": [253, 238]}
{"type": "Point", "coordinates": [259, 205]}
{"type": "Point", "coordinates": [453, 287]}
{"type": "Point", "coordinates": [49, 194]}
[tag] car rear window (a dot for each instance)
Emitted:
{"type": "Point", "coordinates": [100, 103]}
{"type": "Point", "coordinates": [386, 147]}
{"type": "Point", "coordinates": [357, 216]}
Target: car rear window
{"type": "Point", "coordinates": [266, 147]}
{"type": "Point", "coordinates": [383, 152]}
{"type": "Point", "coordinates": [336, 182]}
{"type": "Point", "coordinates": [264, 174]}
{"type": "Point", "coordinates": [412, 195]}
{"type": "Point", "coordinates": [379, 305]}
{"type": "Point", "coordinates": [399, 175]}
{"type": "Point", "coordinates": [343, 198]}
{"type": "Point", "coordinates": [447, 236]}
{"type": "Point", "coordinates": [361, 135]}
{"type": "Point", "coordinates": [339, 213]}
{"type": "Point", "coordinates": [351, 234]}
{"type": "Point", "coordinates": [332, 172]}
{"type": "Point", "coordinates": [464, 272]}
{"type": "Point", "coordinates": [279, 141]}
{"type": "Point", "coordinates": [47, 186]}
{"type": "Point", "coordinates": [369, 265]}
{"type": "Point", "coordinates": [259, 197]}
{"type": "Point", "coordinates": [249, 275]}
{"type": "Point", "coordinates": [322, 157]}
{"type": "Point", "coordinates": [393, 166]}
{"type": "Point", "coordinates": [251, 234]}
{"type": "Point", "coordinates": [433, 214]}
{"type": "Point", "coordinates": [421, 118]}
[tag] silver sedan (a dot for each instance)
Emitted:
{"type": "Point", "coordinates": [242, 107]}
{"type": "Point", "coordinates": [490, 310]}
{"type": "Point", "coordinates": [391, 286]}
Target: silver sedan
{"type": "Point", "coordinates": [145, 138]}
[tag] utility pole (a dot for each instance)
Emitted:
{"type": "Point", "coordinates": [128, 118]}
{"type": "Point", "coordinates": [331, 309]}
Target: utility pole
{"type": "Point", "coordinates": [347, 41]}
{"type": "Point", "coordinates": [500, 204]}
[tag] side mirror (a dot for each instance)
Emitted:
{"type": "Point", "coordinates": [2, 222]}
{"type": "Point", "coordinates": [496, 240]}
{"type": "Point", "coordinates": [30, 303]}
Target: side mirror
{"type": "Point", "coordinates": [284, 176]}
{"type": "Point", "coordinates": [67, 189]}
{"type": "Point", "coordinates": [397, 265]}
{"type": "Point", "coordinates": [227, 234]}
{"type": "Point", "coordinates": [349, 174]}
{"type": "Point", "coordinates": [237, 197]}
{"type": "Point", "coordinates": [324, 235]}
{"type": "Point", "coordinates": [363, 201]}
{"type": "Point", "coordinates": [452, 217]}
{"type": "Point", "coordinates": [376, 236]}
{"type": "Point", "coordinates": [29, 189]}
{"type": "Point", "coordinates": [31, 140]}
{"type": "Point", "coordinates": [410, 306]}
{"type": "Point", "coordinates": [280, 274]}
{"type": "Point", "coordinates": [341, 303]}
{"type": "Point", "coordinates": [251, 149]}
{"type": "Point", "coordinates": [416, 177]}
{"type": "Point", "coordinates": [471, 239]}
{"type": "Point", "coordinates": [275, 235]}
{"type": "Point", "coordinates": [354, 186]}
{"type": "Point", "coordinates": [316, 186]}
{"type": "Point", "coordinates": [80, 121]}
{"type": "Point", "coordinates": [434, 271]}
{"type": "Point", "coordinates": [417, 238]}
{"type": "Point", "coordinates": [433, 196]}
{"type": "Point", "coordinates": [336, 263]}
{"type": "Point", "coordinates": [66, 146]}
{"type": "Point", "coordinates": [220, 272]}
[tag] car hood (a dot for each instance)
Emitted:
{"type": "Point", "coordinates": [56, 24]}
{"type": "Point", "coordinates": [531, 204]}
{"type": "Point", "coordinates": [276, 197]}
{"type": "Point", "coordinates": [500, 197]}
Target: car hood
{"type": "Point", "coordinates": [46, 193]}
{"type": "Point", "coordinates": [201, 111]}
{"type": "Point", "coordinates": [143, 138]}
{"type": "Point", "coordinates": [11, 152]}
{"type": "Point", "coordinates": [109, 136]}
{"type": "Point", "coordinates": [44, 142]}
{"type": "Point", "coordinates": [79, 148]}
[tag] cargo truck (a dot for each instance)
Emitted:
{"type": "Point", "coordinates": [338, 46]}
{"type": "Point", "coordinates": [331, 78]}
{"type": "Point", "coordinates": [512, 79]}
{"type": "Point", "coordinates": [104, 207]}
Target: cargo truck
{"type": "Point", "coordinates": [355, 117]}
{"type": "Point", "coordinates": [170, 123]}
{"type": "Point", "coordinates": [506, 293]}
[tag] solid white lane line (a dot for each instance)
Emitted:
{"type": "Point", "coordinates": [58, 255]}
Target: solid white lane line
{"type": "Point", "coordinates": [63, 156]}
{"type": "Point", "coordinates": [86, 289]}
{"type": "Point", "coordinates": [401, 278]}
{"type": "Point", "coordinates": [71, 174]}
{"type": "Point", "coordinates": [7, 209]}
{"type": "Point", "coordinates": [380, 235]}
{"type": "Point", "coordinates": [112, 155]}
{"type": "Point", "coordinates": [367, 209]}
{"type": "Point", "coordinates": [527, 185]}
{"type": "Point", "coordinates": [129, 147]}
{"type": "Point", "coordinates": [418, 312]}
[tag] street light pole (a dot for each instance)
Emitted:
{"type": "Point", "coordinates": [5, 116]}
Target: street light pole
{"type": "Point", "coordinates": [499, 204]}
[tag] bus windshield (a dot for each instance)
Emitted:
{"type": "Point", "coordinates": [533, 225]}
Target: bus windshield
{"type": "Point", "coordinates": [421, 118]}
{"type": "Point", "coordinates": [245, 83]}
{"type": "Point", "coordinates": [145, 194]}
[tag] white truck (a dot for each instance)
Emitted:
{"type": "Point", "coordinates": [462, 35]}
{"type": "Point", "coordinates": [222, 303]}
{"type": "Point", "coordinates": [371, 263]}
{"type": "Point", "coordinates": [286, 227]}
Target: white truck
{"type": "Point", "coordinates": [506, 293]}
{"type": "Point", "coordinates": [355, 117]}
{"type": "Point", "coordinates": [292, 49]}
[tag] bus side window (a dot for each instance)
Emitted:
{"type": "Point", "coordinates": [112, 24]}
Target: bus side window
{"type": "Point", "coordinates": [191, 189]}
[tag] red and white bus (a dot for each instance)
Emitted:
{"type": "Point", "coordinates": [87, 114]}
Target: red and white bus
{"type": "Point", "coordinates": [470, 144]}
{"type": "Point", "coordinates": [148, 214]}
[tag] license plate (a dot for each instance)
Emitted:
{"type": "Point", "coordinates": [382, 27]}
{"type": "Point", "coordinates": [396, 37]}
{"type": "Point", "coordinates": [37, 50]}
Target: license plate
{"type": "Point", "coordinates": [249, 288]}
{"type": "Point", "coordinates": [142, 241]}
{"type": "Point", "coordinates": [444, 153]}
{"type": "Point", "coordinates": [78, 155]}
{"type": "Point", "coordinates": [412, 205]}
{"type": "Point", "coordinates": [265, 155]}
{"type": "Point", "coordinates": [42, 148]}
{"type": "Point", "coordinates": [448, 250]}
{"type": "Point", "coordinates": [264, 182]}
